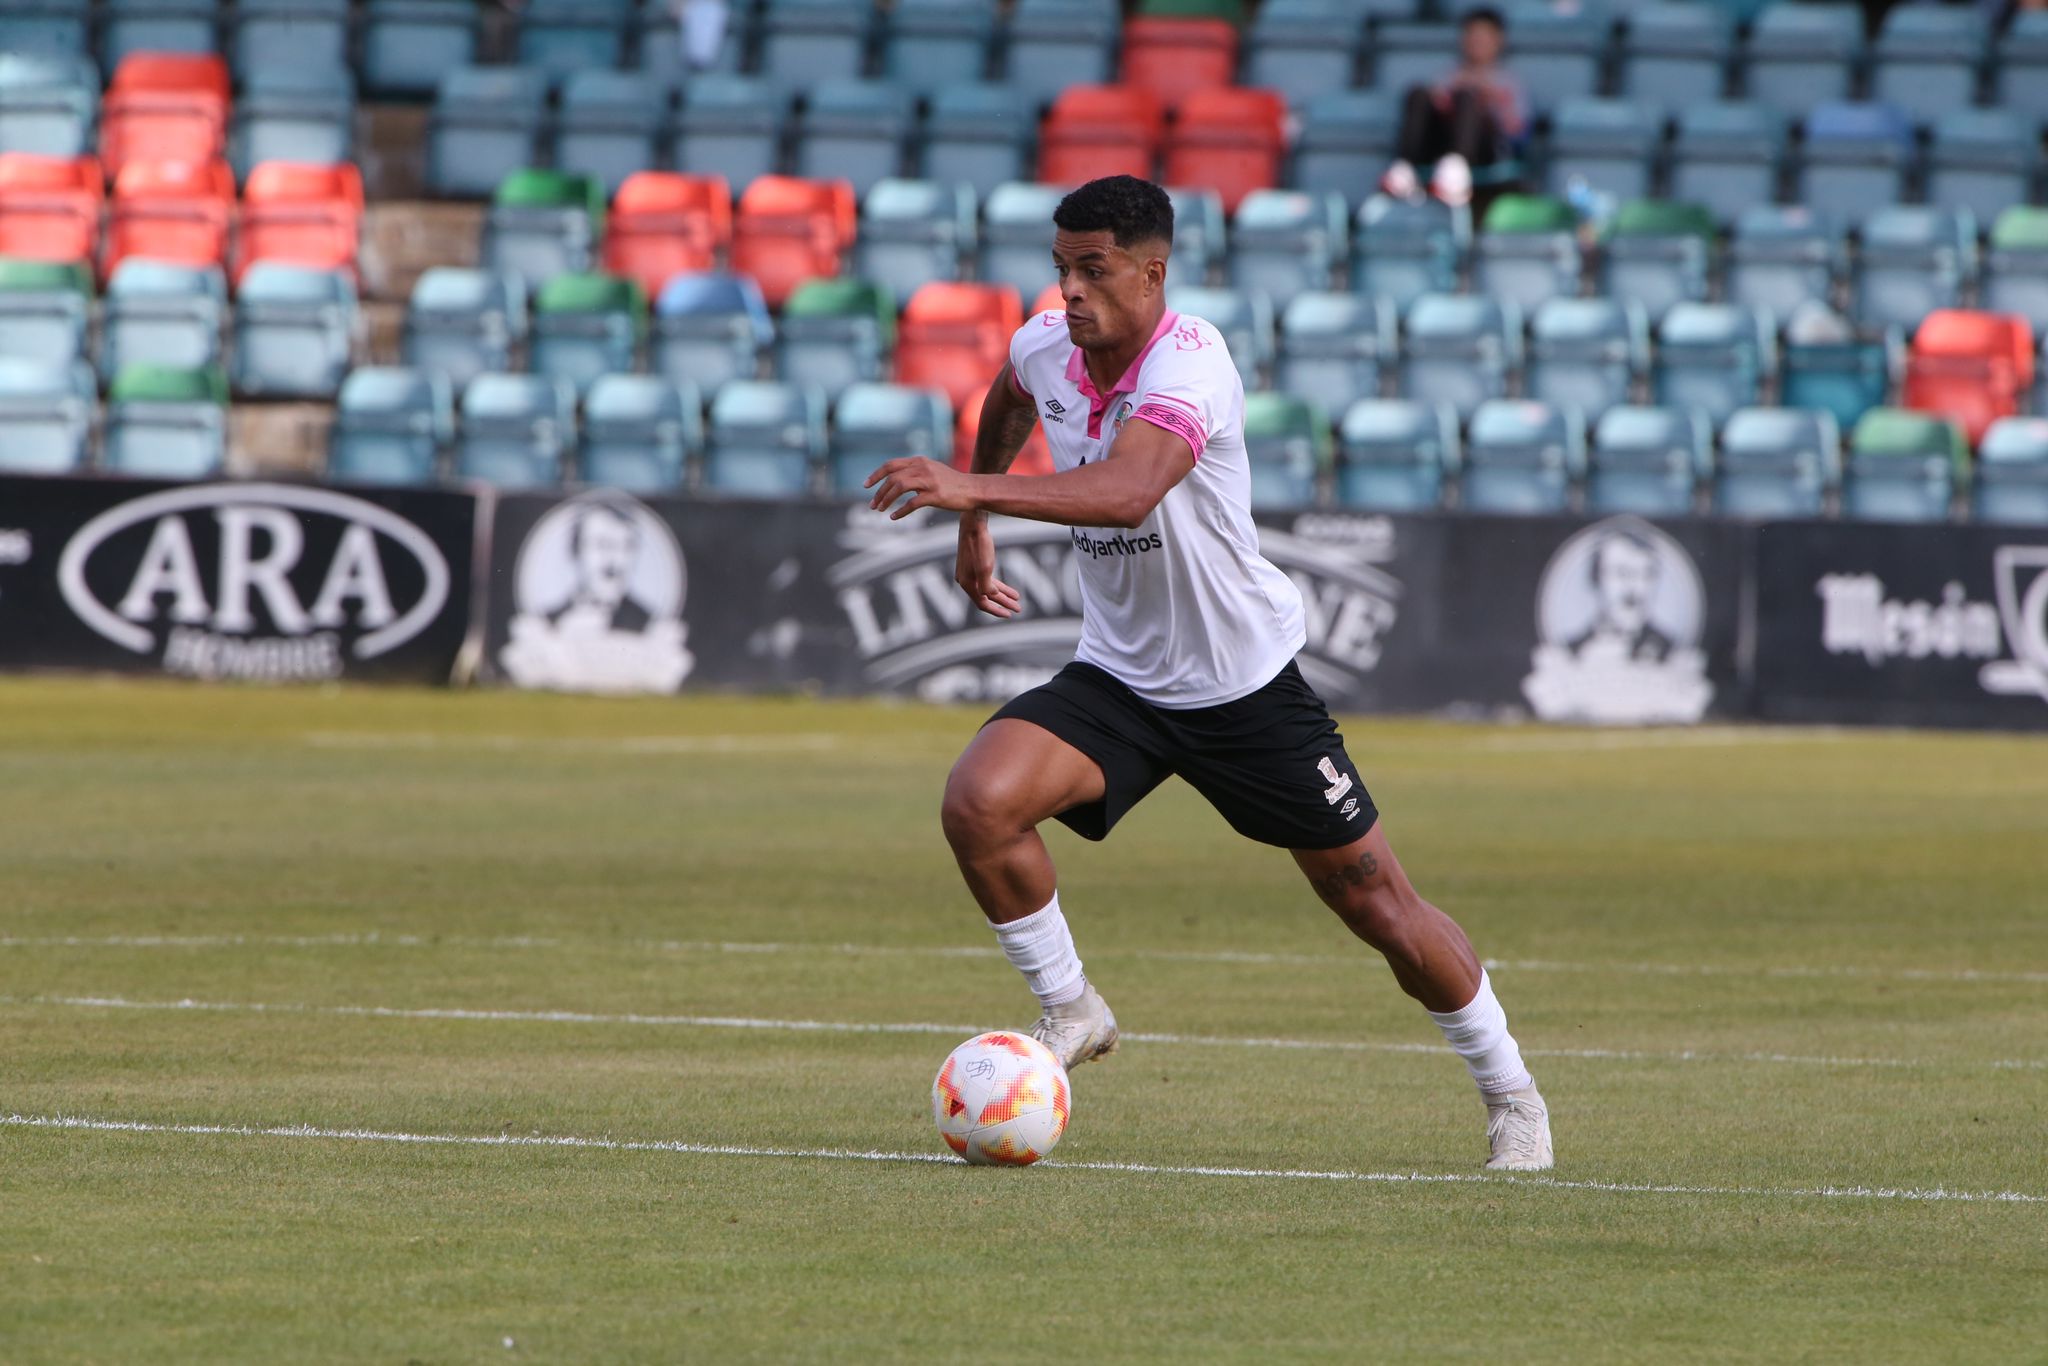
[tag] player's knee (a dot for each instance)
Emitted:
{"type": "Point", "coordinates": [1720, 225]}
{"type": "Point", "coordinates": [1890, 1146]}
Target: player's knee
{"type": "Point", "coordinates": [1382, 917]}
{"type": "Point", "coordinates": [976, 812]}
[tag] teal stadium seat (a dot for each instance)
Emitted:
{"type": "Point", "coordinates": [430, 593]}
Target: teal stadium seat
{"type": "Point", "coordinates": [461, 323]}
{"type": "Point", "coordinates": [1332, 348]}
{"type": "Point", "coordinates": [585, 325]}
{"type": "Point", "coordinates": [1289, 447]}
{"type": "Point", "coordinates": [517, 430]}
{"type": "Point", "coordinates": [1284, 243]}
{"type": "Point", "coordinates": [390, 427]}
{"type": "Point", "coordinates": [158, 313]}
{"type": "Point", "coordinates": [1016, 236]}
{"type": "Point", "coordinates": [1912, 259]}
{"type": "Point", "coordinates": [1586, 354]}
{"type": "Point", "coordinates": [2019, 81]}
{"type": "Point", "coordinates": [1460, 349]}
{"type": "Point", "coordinates": [979, 136]}
{"type": "Point", "coordinates": [1728, 157]}
{"type": "Point", "coordinates": [914, 231]}
{"type": "Point", "coordinates": [1401, 251]}
{"type": "Point", "coordinates": [1522, 457]}
{"type": "Point", "coordinates": [1527, 251]}
{"type": "Point", "coordinates": [730, 126]}
{"type": "Point", "coordinates": [610, 124]}
{"type": "Point", "coordinates": [803, 41]}
{"type": "Point", "coordinates": [1676, 56]}
{"type": "Point", "coordinates": [1396, 455]}
{"type": "Point", "coordinates": [1929, 59]}
{"type": "Point", "coordinates": [294, 332]}
{"type": "Point", "coordinates": [563, 36]}
{"type": "Point", "coordinates": [46, 411]}
{"type": "Point", "coordinates": [1715, 357]}
{"type": "Point", "coordinates": [131, 26]}
{"type": "Point", "coordinates": [766, 439]}
{"type": "Point", "coordinates": [1648, 461]}
{"type": "Point", "coordinates": [710, 329]}
{"type": "Point", "coordinates": [165, 423]}
{"type": "Point", "coordinates": [486, 124]}
{"type": "Point", "coordinates": [1777, 462]}
{"type": "Point", "coordinates": [1305, 49]}
{"type": "Point", "coordinates": [293, 113]}
{"type": "Point", "coordinates": [1982, 160]}
{"type": "Point", "coordinates": [931, 44]}
{"type": "Point", "coordinates": [2011, 484]}
{"type": "Point", "coordinates": [877, 422]}
{"type": "Point", "coordinates": [857, 131]}
{"type": "Point", "coordinates": [409, 45]}
{"type": "Point", "coordinates": [54, 27]}
{"type": "Point", "coordinates": [273, 39]}
{"type": "Point", "coordinates": [1802, 54]}
{"type": "Point", "coordinates": [49, 103]}
{"type": "Point", "coordinates": [1052, 44]}
{"type": "Point", "coordinates": [1903, 466]}
{"type": "Point", "coordinates": [1610, 146]}
{"type": "Point", "coordinates": [1345, 142]}
{"type": "Point", "coordinates": [1781, 258]}
{"type": "Point", "coordinates": [639, 433]}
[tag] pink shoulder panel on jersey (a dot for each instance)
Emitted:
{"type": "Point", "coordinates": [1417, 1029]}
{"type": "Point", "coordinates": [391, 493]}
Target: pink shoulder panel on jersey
{"type": "Point", "coordinates": [1175, 418]}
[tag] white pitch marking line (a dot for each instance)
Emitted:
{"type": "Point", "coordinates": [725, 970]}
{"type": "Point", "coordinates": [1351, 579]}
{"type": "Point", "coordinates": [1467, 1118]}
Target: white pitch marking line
{"type": "Point", "coordinates": [379, 939]}
{"type": "Point", "coordinates": [954, 1030]}
{"type": "Point", "coordinates": [627, 744]}
{"type": "Point", "coordinates": [1936, 1193]}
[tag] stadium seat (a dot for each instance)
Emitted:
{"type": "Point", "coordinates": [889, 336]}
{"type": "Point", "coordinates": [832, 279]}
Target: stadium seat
{"type": "Point", "coordinates": [1332, 348]}
{"type": "Point", "coordinates": [1802, 54]}
{"type": "Point", "coordinates": [789, 230]}
{"type": "Point", "coordinates": [1245, 318]}
{"type": "Point", "coordinates": [1459, 349]}
{"type": "Point", "coordinates": [1854, 156]}
{"type": "Point", "coordinates": [275, 40]}
{"type": "Point", "coordinates": [1200, 233]}
{"type": "Point", "coordinates": [1345, 143]}
{"type": "Point", "coordinates": [59, 27]}
{"type": "Point", "coordinates": [1777, 462]}
{"type": "Point", "coordinates": [1830, 366]}
{"type": "Point", "coordinates": [955, 337]}
{"type": "Point", "coordinates": [171, 211]}
{"type": "Point", "coordinates": [463, 323]}
{"type": "Point", "coordinates": [1928, 59]}
{"type": "Point", "coordinates": [731, 127]}
{"type": "Point", "coordinates": [2019, 80]}
{"type": "Point", "coordinates": [1016, 238]}
{"type": "Point", "coordinates": [609, 124]}
{"type": "Point", "coordinates": [517, 430]}
{"type": "Point", "coordinates": [302, 215]}
{"type": "Point", "coordinates": [766, 439]}
{"type": "Point", "coordinates": [1781, 258]}
{"type": "Point", "coordinates": [835, 333]}
{"type": "Point", "coordinates": [1035, 458]}
{"type": "Point", "coordinates": [1174, 56]}
{"type": "Point", "coordinates": [1305, 49]}
{"type": "Point", "coordinates": [912, 231]}
{"type": "Point", "coordinates": [586, 325]}
{"type": "Point", "coordinates": [1288, 442]}
{"type": "Point", "coordinates": [639, 433]}
{"type": "Point", "coordinates": [877, 422]}
{"type": "Point", "coordinates": [1727, 157]}
{"type": "Point", "coordinates": [1401, 251]}
{"type": "Point", "coordinates": [804, 40]}
{"type": "Point", "coordinates": [1405, 51]}
{"type": "Point", "coordinates": [161, 314]}
{"type": "Point", "coordinates": [1285, 242]}
{"type": "Point", "coordinates": [664, 224]}
{"type": "Point", "coordinates": [1586, 353]}
{"type": "Point", "coordinates": [1982, 160]}
{"type": "Point", "coordinates": [542, 224]}
{"type": "Point", "coordinates": [857, 131]}
{"type": "Point", "coordinates": [1609, 146]}
{"type": "Point", "coordinates": [166, 423]}
{"type": "Point", "coordinates": [409, 45]}
{"type": "Point", "coordinates": [46, 410]}
{"type": "Point", "coordinates": [2011, 483]}
{"type": "Point", "coordinates": [1970, 367]}
{"type": "Point", "coordinates": [2016, 269]}
{"type": "Point", "coordinates": [486, 124]}
{"type": "Point", "coordinates": [1657, 253]}
{"type": "Point", "coordinates": [658, 46]}
{"type": "Point", "coordinates": [562, 37]}
{"type": "Point", "coordinates": [1714, 357]}
{"type": "Point", "coordinates": [1053, 44]}
{"type": "Point", "coordinates": [45, 307]}
{"type": "Point", "coordinates": [931, 43]}
{"type": "Point", "coordinates": [1676, 56]}
{"type": "Point", "coordinates": [128, 27]}
{"type": "Point", "coordinates": [1903, 467]}
{"type": "Point", "coordinates": [1228, 140]}
{"type": "Point", "coordinates": [1396, 455]}
{"type": "Point", "coordinates": [710, 329]}
{"type": "Point", "coordinates": [293, 113]}
{"type": "Point", "coordinates": [1912, 260]}
{"type": "Point", "coordinates": [1648, 461]}
{"type": "Point", "coordinates": [1528, 250]}
{"type": "Point", "coordinates": [163, 107]}
{"type": "Point", "coordinates": [1522, 457]}
{"type": "Point", "coordinates": [979, 136]}
{"type": "Point", "coordinates": [294, 330]}
{"type": "Point", "coordinates": [49, 207]}
{"type": "Point", "coordinates": [1100, 130]}
{"type": "Point", "coordinates": [1558, 54]}
{"type": "Point", "coordinates": [49, 104]}
{"type": "Point", "coordinates": [390, 426]}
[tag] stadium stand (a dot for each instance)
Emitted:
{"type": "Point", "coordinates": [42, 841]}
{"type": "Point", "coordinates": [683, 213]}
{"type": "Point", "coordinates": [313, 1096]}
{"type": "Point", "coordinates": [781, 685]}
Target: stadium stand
{"type": "Point", "coordinates": [640, 433]}
{"type": "Point", "coordinates": [2011, 482]}
{"type": "Point", "coordinates": [45, 309]}
{"type": "Point", "coordinates": [954, 337]}
{"type": "Point", "coordinates": [766, 438]}
{"type": "Point", "coordinates": [166, 422]}
{"type": "Point", "coordinates": [1290, 448]}
{"type": "Point", "coordinates": [1522, 456]}
{"type": "Point", "coordinates": [516, 429]}
{"type": "Point", "coordinates": [1460, 349]}
{"type": "Point", "coordinates": [157, 313]}
{"type": "Point", "coordinates": [1777, 462]}
{"type": "Point", "coordinates": [1284, 243]}
{"type": "Point", "coordinates": [49, 206]}
{"type": "Point", "coordinates": [1333, 348]}
{"type": "Point", "coordinates": [876, 422]}
{"type": "Point", "coordinates": [46, 416]}
{"type": "Point", "coordinates": [1904, 467]}
{"type": "Point", "coordinates": [1649, 461]}
{"type": "Point", "coordinates": [664, 224]}
{"type": "Point", "coordinates": [462, 323]}
{"type": "Point", "coordinates": [391, 426]}
{"type": "Point", "coordinates": [1397, 455]}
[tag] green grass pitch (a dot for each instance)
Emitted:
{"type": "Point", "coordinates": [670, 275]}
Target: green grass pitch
{"type": "Point", "coordinates": [1785, 990]}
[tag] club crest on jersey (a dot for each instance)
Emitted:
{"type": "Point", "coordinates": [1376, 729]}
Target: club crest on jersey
{"type": "Point", "coordinates": [1123, 411]}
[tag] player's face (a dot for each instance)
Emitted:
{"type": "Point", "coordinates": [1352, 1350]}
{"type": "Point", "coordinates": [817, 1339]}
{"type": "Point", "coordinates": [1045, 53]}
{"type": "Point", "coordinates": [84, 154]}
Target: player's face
{"type": "Point", "coordinates": [605, 550]}
{"type": "Point", "coordinates": [1107, 288]}
{"type": "Point", "coordinates": [1480, 44]}
{"type": "Point", "coordinates": [1628, 580]}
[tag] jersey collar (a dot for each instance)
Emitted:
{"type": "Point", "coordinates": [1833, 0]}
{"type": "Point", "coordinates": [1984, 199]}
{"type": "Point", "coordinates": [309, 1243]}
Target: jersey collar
{"type": "Point", "coordinates": [1098, 403]}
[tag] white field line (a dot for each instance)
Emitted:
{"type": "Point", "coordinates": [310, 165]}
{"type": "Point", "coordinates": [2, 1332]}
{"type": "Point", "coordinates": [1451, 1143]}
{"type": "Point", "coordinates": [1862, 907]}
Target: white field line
{"type": "Point", "coordinates": [581, 1017]}
{"type": "Point", "coordinates": [815, 742]}
{"type": "Point", "coordinates": [1595, 741]}
{"type": "Point", "coordinates": [1911, 1193]}
{"type": "Point", "coordinates": [1346, 957]}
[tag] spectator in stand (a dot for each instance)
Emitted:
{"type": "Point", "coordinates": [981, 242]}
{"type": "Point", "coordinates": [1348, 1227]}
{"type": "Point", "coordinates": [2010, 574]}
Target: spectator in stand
{"type": "Point", "coordinates": [1475, 116]}
{"type": "Point", "coordinates": [702, 24]}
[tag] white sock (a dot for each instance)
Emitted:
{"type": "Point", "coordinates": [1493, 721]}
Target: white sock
{"type": "Point", "coordinates": [1478, 1033]}
{"type": "Point", "coordinates": [1042, 948]}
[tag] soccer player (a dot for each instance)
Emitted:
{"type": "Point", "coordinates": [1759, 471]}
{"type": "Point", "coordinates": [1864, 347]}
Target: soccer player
{"type": "Point", "coordinates": [1186, 660]}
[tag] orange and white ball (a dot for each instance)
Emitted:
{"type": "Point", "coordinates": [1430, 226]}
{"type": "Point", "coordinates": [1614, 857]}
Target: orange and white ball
{"type": "Point", "coordinates": [1001, 1099]}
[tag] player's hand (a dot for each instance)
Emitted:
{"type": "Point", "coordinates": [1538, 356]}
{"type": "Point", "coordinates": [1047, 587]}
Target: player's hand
{"type": "Point", "coordinates": [929, 484]}
{"type": "Point", "coordinates": [976, 571]}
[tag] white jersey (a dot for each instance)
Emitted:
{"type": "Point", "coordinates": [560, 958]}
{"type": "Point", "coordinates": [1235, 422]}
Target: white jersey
{"type": "Point", "coordinates": [1183, 610]}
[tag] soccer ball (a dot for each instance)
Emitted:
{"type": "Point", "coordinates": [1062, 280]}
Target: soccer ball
{"type": "Point", "coordinates": [1001, 1100]}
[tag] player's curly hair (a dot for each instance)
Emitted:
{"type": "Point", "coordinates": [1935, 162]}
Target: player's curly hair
{"type": "Point", "coordinates": [1130, 209]}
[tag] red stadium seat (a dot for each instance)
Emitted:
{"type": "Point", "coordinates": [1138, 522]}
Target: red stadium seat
{"type": "Point", "coordinates": [171, 211]}
{"type": "Point", "coordinates": [189, 71]}
{"type": "Point", "coordinates": [49, 207]}
{"type": "Point", "coordinates": [164, 107]}
{"type": "Point", "coordinates": [956, 336]}
{"type": "Point", "coordinates": [1099, 130]}
{"type": "Point", "coordinates": [1173, 57]}
{"type": "Point", "coordinates": [1049, 300]}
{"type": "Point", "coordinates": [1969, 366]}
{"type": "Point", "coordinates": [790, 230]}
{"type": "Point", "coordinates": [664, 224]}
{"type": "Point", "coordinates": [1228, 140]}
{"type": "Point", "coordinates": [301, 215]}
{"type": "Point", "coordinates": [1035, 458]}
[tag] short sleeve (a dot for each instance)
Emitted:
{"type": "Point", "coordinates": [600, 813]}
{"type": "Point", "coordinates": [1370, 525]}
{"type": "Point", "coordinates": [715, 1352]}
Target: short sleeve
{"type": "Point", "coordinates": [1039, 332]}
{"type": "Point", "coordinates": [1186, 386]}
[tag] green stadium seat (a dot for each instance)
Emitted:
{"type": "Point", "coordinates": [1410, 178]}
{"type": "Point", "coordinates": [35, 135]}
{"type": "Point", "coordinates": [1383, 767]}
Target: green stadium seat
{"type": "Point", "coordinates": [587, 324]}
{"type": "Point", "coordinates": [835, 333]}
{"type": "Point", "coordinates": [1290, 448]}
{"type": "Point", "coordinates": [1904, 467]}
{"type": "Point", "coordinates": [167, 423]}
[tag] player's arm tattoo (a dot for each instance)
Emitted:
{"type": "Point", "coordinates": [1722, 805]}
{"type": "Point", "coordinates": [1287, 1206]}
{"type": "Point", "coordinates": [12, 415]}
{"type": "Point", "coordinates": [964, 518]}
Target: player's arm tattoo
{"type": "Point", "coordinates": [1357, 874]}
{"type": "Point", "coordinates": [1006, 422]}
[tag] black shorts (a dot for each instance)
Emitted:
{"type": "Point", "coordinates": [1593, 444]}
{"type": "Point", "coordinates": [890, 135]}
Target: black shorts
{"type": "Point", "coordinates": [1271, 762]}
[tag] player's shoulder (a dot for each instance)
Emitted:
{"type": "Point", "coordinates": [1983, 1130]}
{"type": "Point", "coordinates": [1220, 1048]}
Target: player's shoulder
{"type": "Point", "coordinates": [1192, 346]}
{"type": "Point", "coordinates": [1042, 334]}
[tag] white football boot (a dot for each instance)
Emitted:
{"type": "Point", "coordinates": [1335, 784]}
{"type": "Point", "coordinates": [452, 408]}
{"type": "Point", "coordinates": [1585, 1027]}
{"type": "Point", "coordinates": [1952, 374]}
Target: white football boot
{"type": "Point", "coordinates": [1079, 1031]}
{"type": "Point", "coordinates": [1518, 1131]}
